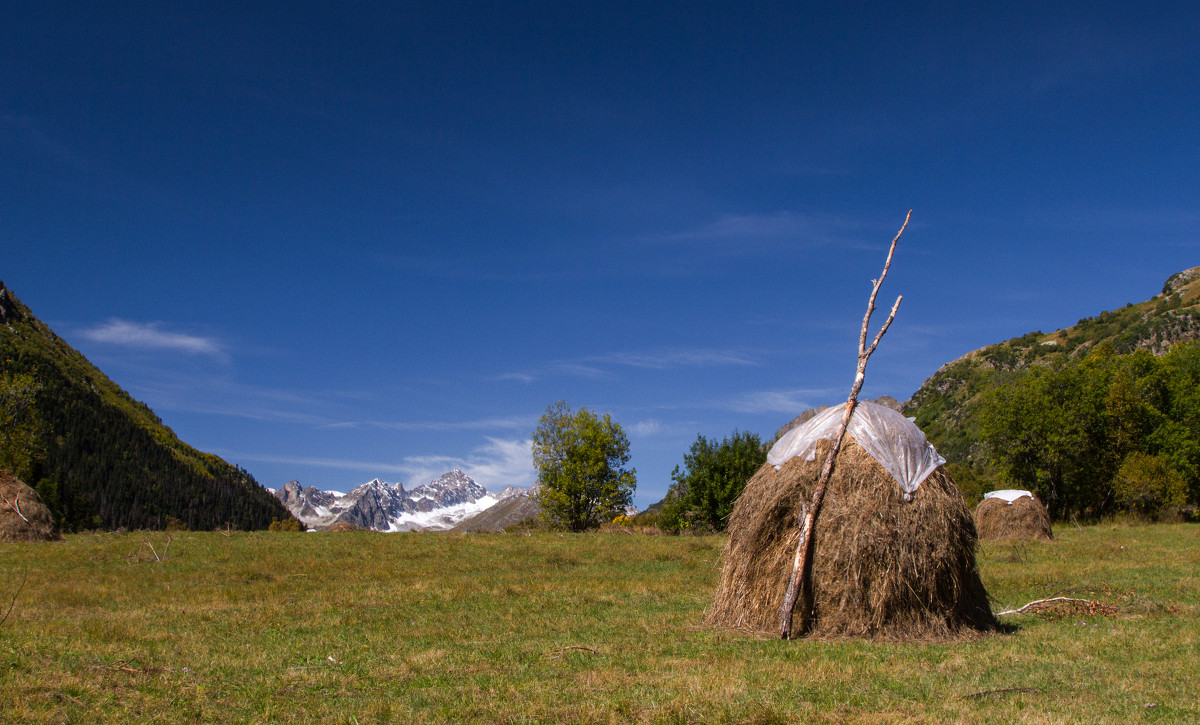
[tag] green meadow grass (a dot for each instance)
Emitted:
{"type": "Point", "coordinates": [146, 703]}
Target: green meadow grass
{"type": "Point", "coordinates": [381, 628]}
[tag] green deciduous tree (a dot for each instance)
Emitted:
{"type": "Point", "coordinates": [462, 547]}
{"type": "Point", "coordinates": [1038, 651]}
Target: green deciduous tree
{"type": "Point", "coordinates": [713, 476]}
{"type": "Point", "coordinates": [580, 459]}
{"type": "Point", "coordinates": [1092, 436]}
{"type": "Point", "coordinates": [968, 481]}
{"type": "Point", "coordinates": [1148, 485]}
{"type": "Point", "coordinates": [1180, 432]}
{"type": "Point", "coordinates": [1046, 434]}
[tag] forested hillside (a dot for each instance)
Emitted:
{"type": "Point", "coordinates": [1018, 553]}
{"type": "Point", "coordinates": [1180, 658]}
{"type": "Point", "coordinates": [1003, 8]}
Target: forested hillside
{"type": "Point", "coordinates": [1100, 417]}
{"type": "Point", "coordinates": [101, 459]}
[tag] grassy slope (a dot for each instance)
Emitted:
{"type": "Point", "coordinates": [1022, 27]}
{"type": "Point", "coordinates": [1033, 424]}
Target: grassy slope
{"type": "Point", "coordinates": [363, 627]}
{"type": "Point", "coordinates": [32, 337]}
{"type": "Point", "coordinates": [138, 467]}
{"type": "Point", "coordinates": [945, 406]}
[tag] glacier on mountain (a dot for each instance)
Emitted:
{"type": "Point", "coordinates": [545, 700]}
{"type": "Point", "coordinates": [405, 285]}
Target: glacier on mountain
{"type": "Point", "coordinates": [435, 506]}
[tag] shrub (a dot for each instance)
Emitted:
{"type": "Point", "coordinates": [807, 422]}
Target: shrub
{"type": "Point", "coordinates": [284, 525]}
{"type": "Point", "coordinates": [1148, 486]}
{"type": "Point", "coordinates": [969, 483]}
{"type": "Point", "coordinates": [713, 476]}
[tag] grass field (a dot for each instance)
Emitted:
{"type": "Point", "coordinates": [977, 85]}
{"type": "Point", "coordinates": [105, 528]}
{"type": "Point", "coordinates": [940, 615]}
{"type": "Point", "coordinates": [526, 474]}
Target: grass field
{"type": "Point", "coordinates": [366, 628]}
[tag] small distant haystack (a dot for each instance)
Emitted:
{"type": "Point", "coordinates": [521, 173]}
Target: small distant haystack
{"type": "Point", "coordinates": [337, 526]}
{"type": "Point", "coordinates": [23, 516]}
{"type": "Point", "coordinates": [882, 567]}
{"type": "Point", "coordinates": [1012, 514]}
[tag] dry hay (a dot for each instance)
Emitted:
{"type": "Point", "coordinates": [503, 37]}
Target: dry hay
{"type": "Point", "coordinates": [337, 526]}
{"type": "Point", "coordinates": [1024, 519]}
{"type": "Point", "coordinates": [882, 567]}
{"type": "Point", "coordinates": [23, 516]}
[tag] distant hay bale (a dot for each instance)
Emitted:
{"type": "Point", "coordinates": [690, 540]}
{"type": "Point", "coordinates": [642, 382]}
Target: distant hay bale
{"type": "Point", "coordinates": [1025, 518]}
{"type": "Point", "coordinates": [882, 568]}
{"type": "Point", "coordinates": [337, 526]}
{"type": "Point", "coordinates": [23, 516]}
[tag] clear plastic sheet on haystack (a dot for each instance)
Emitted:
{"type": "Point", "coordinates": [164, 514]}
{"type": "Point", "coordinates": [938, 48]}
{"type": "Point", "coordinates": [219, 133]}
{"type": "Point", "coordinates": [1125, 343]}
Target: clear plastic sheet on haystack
{"type": "Point", "coordinates": [1008, 494]}
{"type": "Point", "coordinates": [890, 438]}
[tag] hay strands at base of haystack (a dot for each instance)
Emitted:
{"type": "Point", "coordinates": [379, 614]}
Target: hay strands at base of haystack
{"type": "Point", "coordinates": [807, 515]}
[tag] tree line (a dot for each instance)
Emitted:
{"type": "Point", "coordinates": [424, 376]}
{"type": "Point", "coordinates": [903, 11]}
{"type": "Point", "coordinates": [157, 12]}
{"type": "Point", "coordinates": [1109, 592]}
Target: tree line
{"type": "Point", "coordinates": [1092, 436]}
{"type": "Point", "coordinates": [580, 460]}
{"type": "Point", "coordinates": [97, 467]}
{"type": "Point", "coordinates": [1099, 434]}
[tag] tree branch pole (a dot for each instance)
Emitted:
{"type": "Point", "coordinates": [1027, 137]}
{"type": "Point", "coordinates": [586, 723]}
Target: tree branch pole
{"type": "Point", "coordinates": [15, 505]}
{"type": "Point", "coordinates": [808, 512]}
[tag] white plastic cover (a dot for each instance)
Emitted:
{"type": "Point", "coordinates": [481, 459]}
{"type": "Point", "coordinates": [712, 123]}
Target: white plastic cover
{"type": "Point", "coordinates": [1009, 495]}
{"type": "Point", "coordinates": [891, 439]}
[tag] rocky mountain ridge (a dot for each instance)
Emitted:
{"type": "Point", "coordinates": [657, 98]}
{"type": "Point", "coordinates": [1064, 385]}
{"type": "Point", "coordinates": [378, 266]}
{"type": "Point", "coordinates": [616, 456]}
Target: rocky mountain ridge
{"type": "Point", "coordinates": [438, 505]}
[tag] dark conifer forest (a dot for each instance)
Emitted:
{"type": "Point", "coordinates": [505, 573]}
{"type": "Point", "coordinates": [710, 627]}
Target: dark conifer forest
{"type": "Point", "coordinates": [103, 460]}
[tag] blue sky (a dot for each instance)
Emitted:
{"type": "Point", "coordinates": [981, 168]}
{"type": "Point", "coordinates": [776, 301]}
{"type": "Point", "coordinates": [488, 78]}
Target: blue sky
{"type": "Point", "coordinates": [337, 241]}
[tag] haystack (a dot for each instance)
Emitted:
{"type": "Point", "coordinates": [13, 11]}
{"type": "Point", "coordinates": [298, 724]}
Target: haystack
{"type": "Point", "coordinates": [337, 526]}
{"type": "Point", "coordinates": [1012, 514]}
{"type": "Point", "coordinates": [886, 564]}
{"type": "Point", "coordinates": [23, 516]}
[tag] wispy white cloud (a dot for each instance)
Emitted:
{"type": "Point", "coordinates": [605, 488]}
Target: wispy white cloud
{"type": "Point", "coordinates": [170, 389]}
{"type": "Point", "coordinates": [151, 336]}
{"type": "Point", "coordinates": [375, 468]}
{"type": "Point", "coordinates": [205, 394]}
{"type": "Point", "coordinates": [742, 226]}
{"type": "Point", "coordinates": [647, 427]}
{"type": "Point", "coordinates": [659, 429]}
{"type": "Point", "coordinates": [600, 367]}
{"type": "Point", "coordinates": [576, 369]}
{"type": "Point", "coordinates": [513, 423]}
{"type": "Point", "coordinates": [790, 402]}
{"type": "Point", "coordinates": [663, 359]}
{"type": "Point", "coordinates": [251, 410]}
{"type": "Point", "coordinates": [786, 226]}
{"type": "Point", "coordinates": [495, 464]}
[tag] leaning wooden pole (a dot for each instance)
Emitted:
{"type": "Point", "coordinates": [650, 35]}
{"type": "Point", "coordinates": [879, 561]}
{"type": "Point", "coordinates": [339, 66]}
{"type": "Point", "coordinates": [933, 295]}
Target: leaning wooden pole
{"type": "Point", "coordinates": [807, 516]}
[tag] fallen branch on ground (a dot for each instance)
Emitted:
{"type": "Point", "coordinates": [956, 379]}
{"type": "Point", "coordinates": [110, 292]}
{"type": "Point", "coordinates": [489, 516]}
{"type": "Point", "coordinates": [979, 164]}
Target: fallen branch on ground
{"type": "Point", "coordinates": [152, 551]}
{"type": "Point", "coordinates": [1042, 601]}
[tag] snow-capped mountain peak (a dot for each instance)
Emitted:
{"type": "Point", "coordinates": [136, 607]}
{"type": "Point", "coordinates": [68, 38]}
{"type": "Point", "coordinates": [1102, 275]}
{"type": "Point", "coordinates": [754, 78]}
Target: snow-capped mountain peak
{"type": "Point", "coordinates": [513, 491]}
{"type": "Point", "coordinates": [378, 505]}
